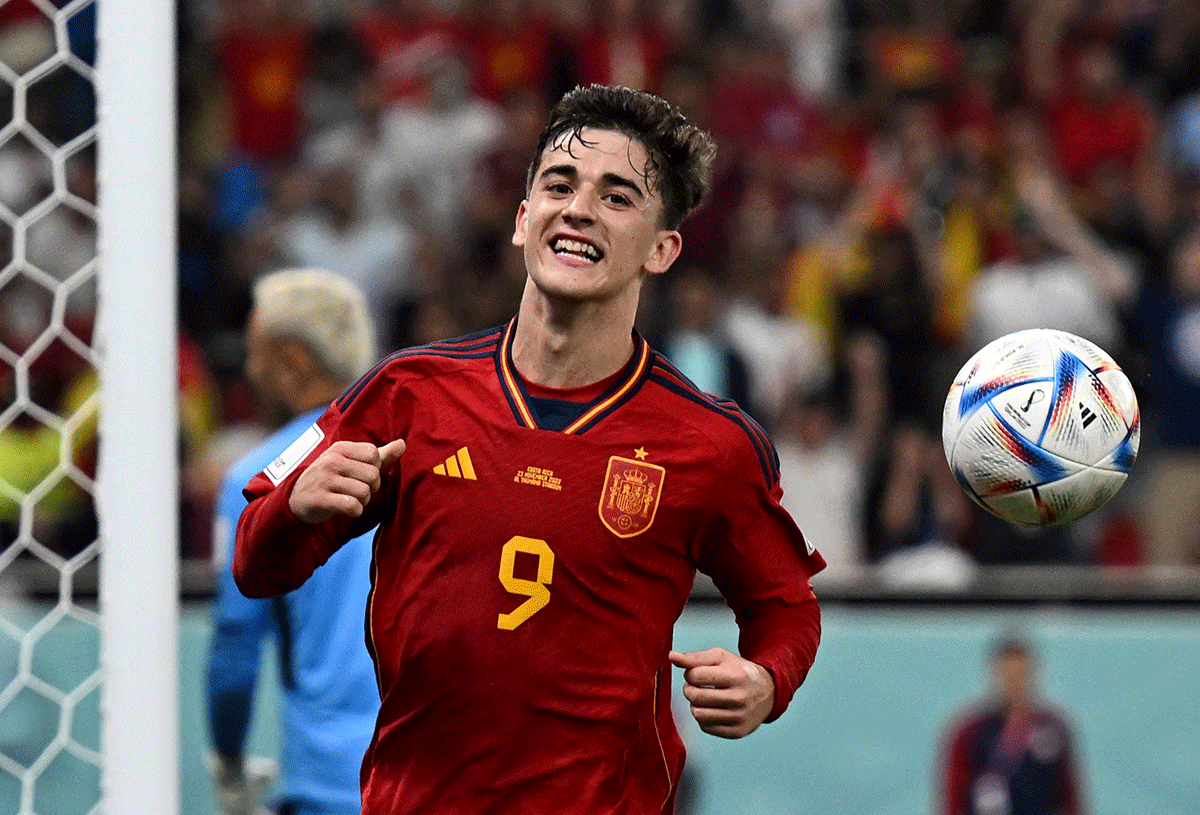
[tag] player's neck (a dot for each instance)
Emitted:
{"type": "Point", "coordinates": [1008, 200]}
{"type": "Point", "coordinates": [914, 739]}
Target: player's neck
{"type": "Point", "coordinates": [564, 346]}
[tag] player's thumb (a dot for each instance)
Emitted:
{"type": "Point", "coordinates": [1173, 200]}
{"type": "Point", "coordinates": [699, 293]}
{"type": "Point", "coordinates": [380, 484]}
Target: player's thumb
{"type": "Point", "coordinates": [694, 659]}
{"type": "Point", "coordinates": [390, 453]}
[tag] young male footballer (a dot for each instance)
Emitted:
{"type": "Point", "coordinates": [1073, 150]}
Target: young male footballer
{"type": "Point", "coordinates": [545, 492]}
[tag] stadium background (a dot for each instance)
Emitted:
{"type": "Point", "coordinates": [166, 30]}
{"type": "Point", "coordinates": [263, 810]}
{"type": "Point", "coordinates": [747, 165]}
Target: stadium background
{"type": "Point", "coordinates": [849, 129]}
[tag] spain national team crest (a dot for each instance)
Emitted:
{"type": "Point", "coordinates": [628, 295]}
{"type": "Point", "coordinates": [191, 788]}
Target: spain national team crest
{"type": "Point", "coordinates": [631, 493]}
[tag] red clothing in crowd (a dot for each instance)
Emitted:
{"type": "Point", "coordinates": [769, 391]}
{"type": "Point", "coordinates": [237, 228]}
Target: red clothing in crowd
{"type": "Point", "coordinates": [1088, 134]}
{"type": "Point", "coordinates": [402, 49]}
{"type": "Point", "coordinates": [264, 71]}
{"type": "Point", "coordinates": [509, 56]}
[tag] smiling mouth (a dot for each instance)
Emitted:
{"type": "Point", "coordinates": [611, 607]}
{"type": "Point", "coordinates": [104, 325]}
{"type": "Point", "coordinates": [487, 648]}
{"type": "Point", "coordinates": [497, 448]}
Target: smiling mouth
{"type": "Point", "coordinates": [576, 250]}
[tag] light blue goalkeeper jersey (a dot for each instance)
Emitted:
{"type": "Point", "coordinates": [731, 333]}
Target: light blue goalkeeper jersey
{"type": "Point", "coordinates": [329, 694]}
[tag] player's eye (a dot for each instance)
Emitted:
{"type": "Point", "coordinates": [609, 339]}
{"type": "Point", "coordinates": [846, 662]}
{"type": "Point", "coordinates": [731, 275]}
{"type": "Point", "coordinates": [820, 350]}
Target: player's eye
{"type": "Point", "coordinates": [619, 199]}
{"type": "Point", "coordinates": [558, 188]}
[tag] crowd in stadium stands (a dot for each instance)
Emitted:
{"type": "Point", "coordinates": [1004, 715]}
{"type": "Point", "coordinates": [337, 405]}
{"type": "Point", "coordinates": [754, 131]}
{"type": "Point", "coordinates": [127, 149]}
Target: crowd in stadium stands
{"type": "Point", "coordinates": [898, 181]}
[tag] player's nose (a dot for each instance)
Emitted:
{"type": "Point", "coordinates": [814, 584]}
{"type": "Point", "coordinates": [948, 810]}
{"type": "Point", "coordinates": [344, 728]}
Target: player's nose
{"type": "Point", "coordinates": [581, 207]}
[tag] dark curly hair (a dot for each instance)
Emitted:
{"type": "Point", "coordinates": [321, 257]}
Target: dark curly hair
{"type": "Point", "coordinates": [680, 153]}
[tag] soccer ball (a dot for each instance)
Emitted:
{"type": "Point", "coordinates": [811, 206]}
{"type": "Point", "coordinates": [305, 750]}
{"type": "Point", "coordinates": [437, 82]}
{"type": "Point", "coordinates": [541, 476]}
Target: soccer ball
{"type": "Point", "coordinates": [1041, 427]}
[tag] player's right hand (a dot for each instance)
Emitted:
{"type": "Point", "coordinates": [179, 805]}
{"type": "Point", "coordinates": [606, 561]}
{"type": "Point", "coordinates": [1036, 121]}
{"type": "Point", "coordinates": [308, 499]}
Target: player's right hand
{"type": "Point", "coordinates": [341, 480]}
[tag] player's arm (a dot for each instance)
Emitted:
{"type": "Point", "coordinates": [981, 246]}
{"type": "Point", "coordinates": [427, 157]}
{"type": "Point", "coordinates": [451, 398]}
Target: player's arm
{"type": "Point", "coordinates": [760, 562]}
{"type": "Point", "coordinates": [1070, 795]}
{"type": "Point", "coordinates": [958, 771]}
{"type": "Point", "coordinates": [239, 626]}
{"type": "Point", "coordinates": [1042, 194]}
{"type": "Point", "coordinates": [334, 483]}
{"type": "Point", "coordinates": [287, 532]}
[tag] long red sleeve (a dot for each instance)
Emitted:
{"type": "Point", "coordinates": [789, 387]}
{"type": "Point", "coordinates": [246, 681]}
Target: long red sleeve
{"type": "Point", "coordinates": [275, 551]}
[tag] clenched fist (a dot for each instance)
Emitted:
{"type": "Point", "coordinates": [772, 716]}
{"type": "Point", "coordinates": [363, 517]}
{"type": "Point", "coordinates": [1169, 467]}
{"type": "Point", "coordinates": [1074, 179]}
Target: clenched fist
{"type": "Point", "coordinates": [730, 696]}
{"type": "Point", "coordinates": [342, 480]}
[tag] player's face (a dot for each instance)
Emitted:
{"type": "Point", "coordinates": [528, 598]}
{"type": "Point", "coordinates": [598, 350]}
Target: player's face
{"type": "Point", "coordinates": [591, 227]}
{"type": "Point", "coordinates": [262, 366]}
{"type": "Point", "coordinates": [1014, 676]}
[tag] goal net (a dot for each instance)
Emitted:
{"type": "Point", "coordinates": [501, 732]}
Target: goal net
{"type": "Point", "coordinates": [88, 477]}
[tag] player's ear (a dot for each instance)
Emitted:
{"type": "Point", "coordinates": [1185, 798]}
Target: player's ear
{"type": "Point", "coordinates": [666, 249]}
{"type": "Point", "coordinates": [518, 238]}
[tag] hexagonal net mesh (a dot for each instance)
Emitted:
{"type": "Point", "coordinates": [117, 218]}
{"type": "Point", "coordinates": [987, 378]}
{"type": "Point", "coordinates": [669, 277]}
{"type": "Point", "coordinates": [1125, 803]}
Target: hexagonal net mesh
{"type": "Point", "coordinates": [49, 677]}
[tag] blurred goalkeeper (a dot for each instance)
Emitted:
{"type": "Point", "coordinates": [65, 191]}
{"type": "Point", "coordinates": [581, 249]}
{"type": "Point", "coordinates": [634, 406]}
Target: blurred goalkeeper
{"type": "Point", "coordinates": [308, 338]}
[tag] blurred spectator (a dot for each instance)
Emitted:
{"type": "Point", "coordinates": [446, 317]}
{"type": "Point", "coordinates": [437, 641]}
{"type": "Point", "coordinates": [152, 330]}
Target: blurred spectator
{"type": "Point", "coordinates": [815, 33]}
{"type": "Point", "coordinates": [1176, 39]}
{"type": "Point", "coordinates": [1061, 274]}
{"type": "Point", "coordinates": [894, 304]}
{"type": "Point", "coordinates": [359, 145]}
{"type": "Point", "coordinates": [339, 63]}
{"type": "Point", "coordinates": [26, 35]}
{"type": "Point", "coordinates": [687, 83]}
{"type": "Point", "coordinates": [57, 382]}
{"type": "Point", "coordinates": [756, 112]}
{"type": "Point", "coordinates": [622, 45]}
{"type": "Point", "coordinates": [499, 178]}
{"type": "Point", "coordinates": [784, 355]}
{"type": "Point", "coordinates": [1095, 122]}
{"type": "Point", "coordinates": [434, 318]}
{"type": "Point", "coordinates": [60, 386]}
{"type": "Point", "coordinates": [401, 37]}
{"type": "Point", "coordinates": [1168, 321]}
{"type": "Point", "coordinates": [825, 439]}
{"type": "Point", "coordinates": [200, 418]}
{"type": "Point", "coordinates": [972, 106]}
{"type": "Point", "coordinates": [373, 250]}
{"type": "Point", "coordinates": [25, 175]}
{"type": "Point", "coordinates": [1011, 753]}
{"type": "Point", "coordinates": [976, 233]}
{"type": "Point", "coordinates": [436, 139]}
{"type": "Point", "coordinates": [907, 59]}
{"type": "Point", "coordinates": [264, 56]}
{"type": "Point", "coordinates": [567, 21]}
{"type": "Point", "coordinates": [62, 242]}
{"type": "Point", "coordinates": [915, 512]}
{"type": "Point", "coordinates": [1183, 135]}
{"type": "Point", "coordinates": [694, 342]}
{"type": "Point", "coordinates": [510, 45]}
{"type": "Point", "coordinates": [881, 270]}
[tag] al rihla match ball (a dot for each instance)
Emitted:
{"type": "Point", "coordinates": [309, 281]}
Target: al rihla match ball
{"type": "Point", "coordinates": [1041, 427]}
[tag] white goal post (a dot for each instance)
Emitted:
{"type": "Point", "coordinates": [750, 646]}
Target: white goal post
{"type": "Point", "coordinates": [137, 490]}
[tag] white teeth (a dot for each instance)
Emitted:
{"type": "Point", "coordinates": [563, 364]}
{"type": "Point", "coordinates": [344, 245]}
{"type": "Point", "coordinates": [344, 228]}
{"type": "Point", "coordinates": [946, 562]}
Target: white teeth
{"type": "Point", "coordinates": [576, 248]}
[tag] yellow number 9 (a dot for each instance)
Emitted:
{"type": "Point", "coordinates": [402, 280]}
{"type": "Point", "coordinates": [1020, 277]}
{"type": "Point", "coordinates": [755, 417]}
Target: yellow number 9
{"type": "Point", "coordinates": [536, 591]}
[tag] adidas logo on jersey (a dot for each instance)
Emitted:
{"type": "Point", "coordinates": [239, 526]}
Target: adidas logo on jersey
{"type": "Point", "coordinates": [457, 466]}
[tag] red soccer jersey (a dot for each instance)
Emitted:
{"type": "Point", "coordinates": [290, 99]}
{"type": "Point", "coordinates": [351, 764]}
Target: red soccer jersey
{"type": "Point", "coordinates": [526, 580]}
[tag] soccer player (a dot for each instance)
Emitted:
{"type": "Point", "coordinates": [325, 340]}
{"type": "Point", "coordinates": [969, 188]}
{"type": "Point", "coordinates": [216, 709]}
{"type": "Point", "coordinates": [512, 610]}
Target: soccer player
{"type": "Point", "coordinates": [308, 338]}
{"type": "Point", "coordinates": [544, 493]}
